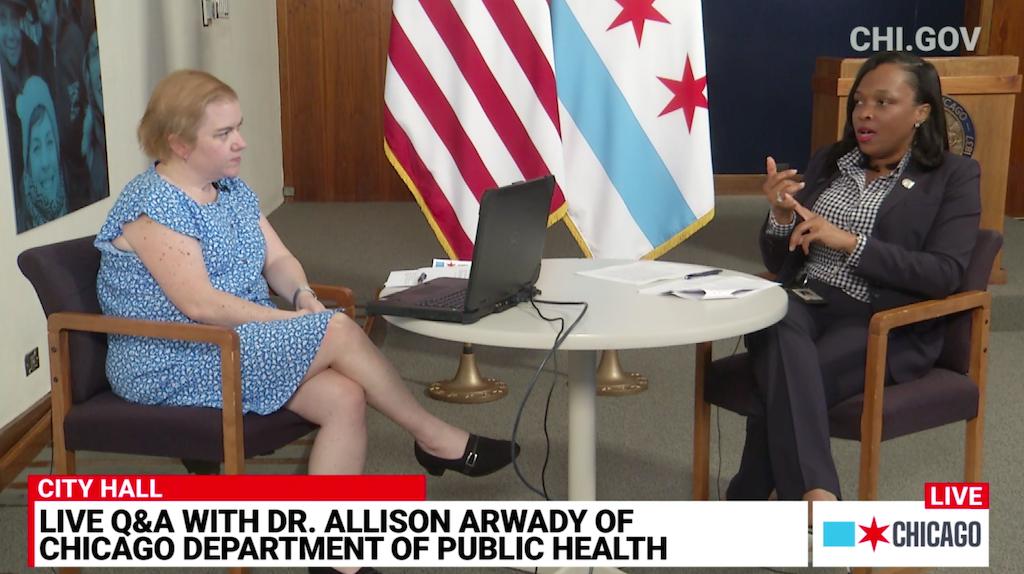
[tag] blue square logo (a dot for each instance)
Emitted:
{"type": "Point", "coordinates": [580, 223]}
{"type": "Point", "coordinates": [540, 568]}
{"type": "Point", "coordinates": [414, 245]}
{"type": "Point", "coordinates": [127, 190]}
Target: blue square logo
{"type": "Point", "coordinates": [840, 534]}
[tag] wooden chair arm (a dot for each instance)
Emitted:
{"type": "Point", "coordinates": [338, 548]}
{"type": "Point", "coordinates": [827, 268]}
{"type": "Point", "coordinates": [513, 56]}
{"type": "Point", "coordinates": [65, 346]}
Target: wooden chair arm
{"type": "Point", "coordinates": [96, 323]}
{"type": "Point", "coordinates": [59, 325]}
{"type": "Point", "coordinates": [337, 295]}
{"type": "Point", "coordinates": [884, 321]}
{"type": "Point", "coordinates": [346, 299]}
{"type": "Point", "coordinates": [979, 302]}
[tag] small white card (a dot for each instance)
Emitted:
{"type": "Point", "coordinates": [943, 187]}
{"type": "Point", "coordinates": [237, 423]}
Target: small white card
{"type": "Point", "coordinates": [711, 287]}
{"type": "Point", "coordinates": [410, 277]}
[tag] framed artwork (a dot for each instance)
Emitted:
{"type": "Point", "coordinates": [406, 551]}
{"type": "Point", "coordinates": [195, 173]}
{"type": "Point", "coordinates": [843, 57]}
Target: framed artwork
{"type": "Point", "coordinates": [53, 101]}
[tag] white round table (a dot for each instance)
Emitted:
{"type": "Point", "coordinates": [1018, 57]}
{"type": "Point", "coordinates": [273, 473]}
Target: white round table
{"type": "Point", "coordinates": [618, 318]}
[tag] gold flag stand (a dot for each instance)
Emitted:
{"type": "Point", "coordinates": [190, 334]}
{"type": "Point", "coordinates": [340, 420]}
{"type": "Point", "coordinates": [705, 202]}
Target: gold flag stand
{"type": "Point", "coordinates": [468, 386]}
{"type": "Point", "coordinates": [612, 381]}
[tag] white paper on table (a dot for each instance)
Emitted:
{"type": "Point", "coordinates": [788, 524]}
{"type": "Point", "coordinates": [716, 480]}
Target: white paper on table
{"type": "Point", "coordinates": [410, 277]}
{"type": "Point", "coordinates": [644, 272]}
{"type": "Point", "coordinates": [712, 287]}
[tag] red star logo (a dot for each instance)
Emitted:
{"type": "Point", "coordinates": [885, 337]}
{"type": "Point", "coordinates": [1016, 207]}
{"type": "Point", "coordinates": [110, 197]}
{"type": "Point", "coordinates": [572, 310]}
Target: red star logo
{"type": "Point", "coordinates": [687, 94]}
{"type": "Point", "coordinates": [638, 12]}
{"type": "Point", "coordinates": [874, 533]}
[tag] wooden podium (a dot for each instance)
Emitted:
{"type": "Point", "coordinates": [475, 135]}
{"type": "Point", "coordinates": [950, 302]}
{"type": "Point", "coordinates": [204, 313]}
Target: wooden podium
{"type": "Point", "coordinates": [979, 117]}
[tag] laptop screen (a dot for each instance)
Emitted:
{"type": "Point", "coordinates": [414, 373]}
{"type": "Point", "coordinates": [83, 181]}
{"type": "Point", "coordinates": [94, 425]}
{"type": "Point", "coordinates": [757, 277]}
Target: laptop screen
{"type": "Point", "coordinates": [509, 242]}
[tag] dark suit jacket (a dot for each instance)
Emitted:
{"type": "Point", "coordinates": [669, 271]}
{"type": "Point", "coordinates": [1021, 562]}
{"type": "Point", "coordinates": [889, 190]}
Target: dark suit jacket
{"type": "Point", "coordinates": [919, 249]}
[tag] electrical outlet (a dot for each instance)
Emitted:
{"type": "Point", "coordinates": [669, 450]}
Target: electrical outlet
{"type": "Point", "coordinates": [31, 361]}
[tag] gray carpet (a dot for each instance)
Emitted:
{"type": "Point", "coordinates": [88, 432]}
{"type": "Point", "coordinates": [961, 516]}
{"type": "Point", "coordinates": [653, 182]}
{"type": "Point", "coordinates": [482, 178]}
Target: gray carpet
{"type": "Point", "coordinates": [643, 441]}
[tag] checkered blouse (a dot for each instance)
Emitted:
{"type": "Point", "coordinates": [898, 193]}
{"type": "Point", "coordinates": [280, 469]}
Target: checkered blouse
{"type": "Point", "coordinates": [850, 203]}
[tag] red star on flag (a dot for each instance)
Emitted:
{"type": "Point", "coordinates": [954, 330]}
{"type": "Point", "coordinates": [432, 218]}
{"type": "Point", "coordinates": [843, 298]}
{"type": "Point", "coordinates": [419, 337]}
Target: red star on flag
{"type": "Point", "coordinates": [874, 533]}
{"type": "Point", "coordinates": [638, 12]}
{"type": "Point", "coordinates": [687, 94]}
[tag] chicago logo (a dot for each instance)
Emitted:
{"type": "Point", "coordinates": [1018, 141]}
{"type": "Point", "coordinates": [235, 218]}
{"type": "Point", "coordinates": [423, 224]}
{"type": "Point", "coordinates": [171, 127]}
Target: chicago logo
{"type": "Point", "coordinates": [959, 127]}
{"type": "Point", "coordinates": [904, 534]}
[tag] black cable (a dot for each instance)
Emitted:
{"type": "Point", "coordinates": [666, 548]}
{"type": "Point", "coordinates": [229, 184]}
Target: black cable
{"type": "Point", "coordinates": [547, 403]}
{"type": "Point", "coordinates": [547, 437]}
{"type": "Point", "coordinates": [718, 475]}
{"type": "Point", "coordinates": [559, 339]}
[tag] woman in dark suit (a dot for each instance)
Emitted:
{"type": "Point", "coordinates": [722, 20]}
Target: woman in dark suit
{"type": "Point", "coordinates": [885, 217]}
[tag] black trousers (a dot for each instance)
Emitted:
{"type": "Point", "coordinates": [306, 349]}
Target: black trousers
{"type": "Point", "coordinates": [810, 360]}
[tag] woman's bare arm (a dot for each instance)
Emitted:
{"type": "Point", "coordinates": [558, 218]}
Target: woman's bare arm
{"type": "Point", "coordinates": [176, 262]}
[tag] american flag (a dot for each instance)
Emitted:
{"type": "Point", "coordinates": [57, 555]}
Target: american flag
{"type": "Point", "coordinates": [470, 104]}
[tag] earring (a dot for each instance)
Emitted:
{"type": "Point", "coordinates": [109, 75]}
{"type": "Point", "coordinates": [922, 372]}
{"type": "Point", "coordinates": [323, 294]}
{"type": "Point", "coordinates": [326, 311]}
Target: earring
{"type": "Point", "coordinates": [917, 125]}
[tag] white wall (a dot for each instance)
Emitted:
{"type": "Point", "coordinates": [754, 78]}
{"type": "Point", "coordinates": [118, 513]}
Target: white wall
{"type": "Point", "coordinates": [140, 41]}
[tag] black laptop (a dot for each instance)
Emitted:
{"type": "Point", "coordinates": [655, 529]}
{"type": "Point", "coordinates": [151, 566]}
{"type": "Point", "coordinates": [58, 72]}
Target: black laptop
{"type": "Point", "coordinates": [506, 261]}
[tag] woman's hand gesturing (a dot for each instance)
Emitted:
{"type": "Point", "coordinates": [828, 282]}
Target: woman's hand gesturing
{"type": "Point", "coordinates": [778, 189]}
{"type": "Point", "coordinates": [815, 228]}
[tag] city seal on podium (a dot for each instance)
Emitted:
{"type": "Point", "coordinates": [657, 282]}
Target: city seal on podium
{"type": "Point", "coordinates": [959, 127]}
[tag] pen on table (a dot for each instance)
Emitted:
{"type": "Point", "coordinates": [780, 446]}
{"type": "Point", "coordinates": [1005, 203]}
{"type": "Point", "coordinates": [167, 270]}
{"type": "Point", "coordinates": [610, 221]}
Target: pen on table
{"type": "Point", "coordinates": [707, 273]}
{"type": "Point", "coordinates": [421, 278]}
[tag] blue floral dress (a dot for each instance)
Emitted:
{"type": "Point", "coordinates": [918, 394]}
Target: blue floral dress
{"type": "Point", "coordinates": [275, 354]}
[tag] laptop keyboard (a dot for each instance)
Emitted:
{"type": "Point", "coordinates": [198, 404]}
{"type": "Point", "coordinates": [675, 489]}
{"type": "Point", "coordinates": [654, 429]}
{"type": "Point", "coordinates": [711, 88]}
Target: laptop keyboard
{"type": "Point", "coordinates": [454, 300]}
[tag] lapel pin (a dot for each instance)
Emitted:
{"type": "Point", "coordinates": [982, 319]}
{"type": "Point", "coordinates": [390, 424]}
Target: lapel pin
{"type": "Point", "coordinates": [907, 182]}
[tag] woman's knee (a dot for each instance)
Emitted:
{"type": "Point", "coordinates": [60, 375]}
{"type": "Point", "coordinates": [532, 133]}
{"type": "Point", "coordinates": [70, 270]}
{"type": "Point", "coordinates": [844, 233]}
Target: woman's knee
{"type": "Point", "coordinates": [330, 397]}
{"type": "Point", "coordinates": [799, 320]}
{"type": "Point", "coordinates": [347, 397]}
{"type": "Point", "coordinates": [795, 327]}
{"type": "Point", "coordinates": [343, 330]}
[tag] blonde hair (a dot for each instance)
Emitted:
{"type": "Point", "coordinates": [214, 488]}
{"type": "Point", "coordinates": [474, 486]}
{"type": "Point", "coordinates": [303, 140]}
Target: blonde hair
{"type": "Point", "coordinates": [177, 107]}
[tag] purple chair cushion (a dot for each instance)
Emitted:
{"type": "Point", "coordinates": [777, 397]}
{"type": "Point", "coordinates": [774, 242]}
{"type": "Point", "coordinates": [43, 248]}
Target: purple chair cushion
{"type": "Point", "coordinates": [108, 423]}
{"type": "Point", "coordinates": [730, 384]}
{"type": "Point", "coordinates": [940, 397]}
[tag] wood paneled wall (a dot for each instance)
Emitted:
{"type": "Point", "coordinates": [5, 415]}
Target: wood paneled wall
{"type": "Point", "coordinates": [332, 59]}
{"type": "Point", "coordinates": [1007, 37]}
{"type": "Point", "coordinates": [1002, 23]}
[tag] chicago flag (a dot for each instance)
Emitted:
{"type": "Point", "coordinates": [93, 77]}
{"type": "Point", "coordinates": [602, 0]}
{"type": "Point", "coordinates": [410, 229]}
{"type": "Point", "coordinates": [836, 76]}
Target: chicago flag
{"type": "Point", "coordinates": [634, 123]}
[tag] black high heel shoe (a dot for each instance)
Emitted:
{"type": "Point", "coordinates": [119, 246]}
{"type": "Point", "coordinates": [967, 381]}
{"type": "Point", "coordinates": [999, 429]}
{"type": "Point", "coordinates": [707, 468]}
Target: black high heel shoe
{"type": "Point", "coordinates": [482, 456]}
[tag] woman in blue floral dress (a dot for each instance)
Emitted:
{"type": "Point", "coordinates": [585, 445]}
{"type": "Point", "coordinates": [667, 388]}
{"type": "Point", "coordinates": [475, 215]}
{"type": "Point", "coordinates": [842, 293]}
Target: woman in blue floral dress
{"type": "Point", "coordinates": [186, 242]}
